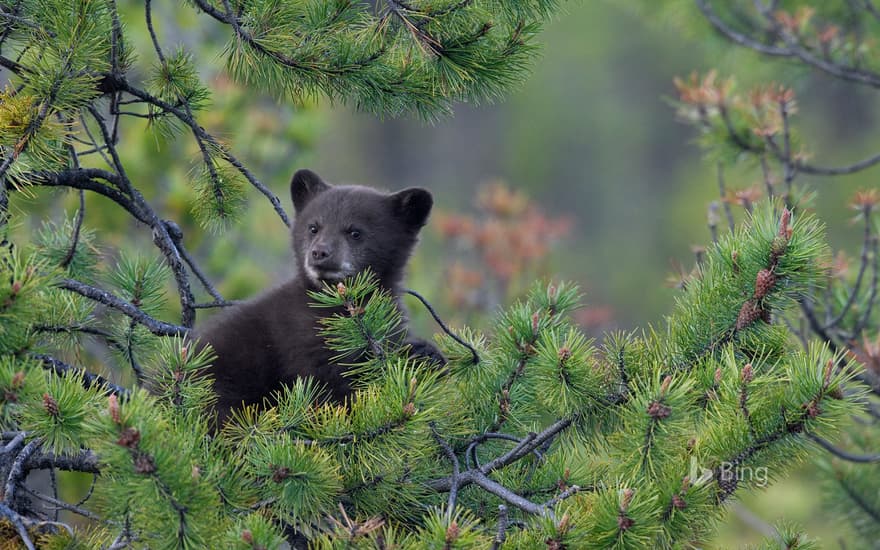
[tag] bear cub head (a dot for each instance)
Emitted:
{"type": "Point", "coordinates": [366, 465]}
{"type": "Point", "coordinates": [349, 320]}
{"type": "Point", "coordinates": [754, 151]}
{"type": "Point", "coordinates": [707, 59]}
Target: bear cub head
{"type": "Point", "coordinates": [340, 230]}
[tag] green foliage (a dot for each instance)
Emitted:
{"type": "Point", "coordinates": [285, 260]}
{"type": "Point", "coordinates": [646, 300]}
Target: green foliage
{"type": "Point", "coordinates": [219, 197]}
{"type": "Point", "coordinates": [417, 56]}
{"type": "Point", "coordinates": [22, 382]}
{"type": "Point", "coordinates": [655, 430]}
{"type": "Point", "coordinates": [788, 536]}
{"type": "Point", "coordinates": [302, 479]}
{"type": "Point", "coordinates": [61, 417]}
{"type": "Point", "coordinates": [177, 376]}
{"type": "Point", "coordinates": [22, 297]}
{"type": "Point", "coordinates": [255, 531]}
{"type": "Point", "coordinates": [638, 440]}
{"type": "Point", "coordinates": [55, 245]}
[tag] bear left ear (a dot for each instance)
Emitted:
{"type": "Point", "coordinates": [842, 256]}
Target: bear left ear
{"type": "Point", "coordinates": [412, 206]}
{"type": "Point", "coordinates": [304, 185]}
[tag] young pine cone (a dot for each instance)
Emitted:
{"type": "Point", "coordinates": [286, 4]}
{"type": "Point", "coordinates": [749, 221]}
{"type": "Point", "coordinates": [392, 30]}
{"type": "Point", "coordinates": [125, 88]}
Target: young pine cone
{"type": "Point", "coordinates": [764, 282]}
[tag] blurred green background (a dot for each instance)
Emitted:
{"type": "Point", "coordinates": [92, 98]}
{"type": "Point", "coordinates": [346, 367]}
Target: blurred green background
{"type": "Point", "coordinates": [591, 137]}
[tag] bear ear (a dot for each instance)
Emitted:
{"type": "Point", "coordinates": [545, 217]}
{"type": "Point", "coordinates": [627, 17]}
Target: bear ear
{"type": "Point", "coordinates": [412, 206]}
{"type": "Point", "coordinates": [304, 186]}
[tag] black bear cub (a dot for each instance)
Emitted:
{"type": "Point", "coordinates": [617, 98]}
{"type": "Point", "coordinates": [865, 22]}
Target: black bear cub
{"type": "Point", "coordinates": [338, 231]}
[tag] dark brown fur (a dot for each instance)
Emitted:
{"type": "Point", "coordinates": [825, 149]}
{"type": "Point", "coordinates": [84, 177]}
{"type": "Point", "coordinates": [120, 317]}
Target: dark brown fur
{"type": "Point", "coordinates": [338, 231]}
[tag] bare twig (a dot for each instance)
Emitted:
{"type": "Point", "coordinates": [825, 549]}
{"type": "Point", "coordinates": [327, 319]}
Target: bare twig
{"type": "Point", "coordinates": [872, 295]}
{"type": "Point", "coordinates": [13, 445]}
{"type": "Point", "coordinates": [787, 164]}
{"type": "Point", "coordinates": [866, 244]}
{"type": "Point", "coordinates": [768, 177]}
{"type": "Point", "coordinates": [840, 453]}
{"type": "Point", "coordinates": [573, 490]}
{"type": "Point", "coordinates": [17, 472]}
{"type": "Point", "coordinates": [85, 178]}
{"type": "Point", "coordinates": [446, 329]}
{"type": "Point", "coordinates": [527, 445]}
{"type": "Point", "coordinates": [74, 240]}
{"type": "Point", "coordinates": [86, 462]}
{"type": "Point", "coordinates": [749, 518]}
{"type": "Point", "coordinates": [722, 191]}
{"type": "Point", "coordinates": [61, 505]}
{"type": "Point", "coordinates": [177, 236]}
{"type": "Point", "coordinates": [456, 470]}
{"type": "Point", "coordinates": [505, 494]}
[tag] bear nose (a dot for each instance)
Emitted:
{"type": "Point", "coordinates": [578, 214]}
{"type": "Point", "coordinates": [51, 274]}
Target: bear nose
{"type": "Point", "coordinates": [320, 253]}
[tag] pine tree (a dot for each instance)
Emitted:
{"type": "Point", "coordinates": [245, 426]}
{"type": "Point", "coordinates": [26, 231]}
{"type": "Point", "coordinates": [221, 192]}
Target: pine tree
{"type": "Point", "coordinates": [532, 436]}
{"type": "Point", "coordinates": [757, 131]}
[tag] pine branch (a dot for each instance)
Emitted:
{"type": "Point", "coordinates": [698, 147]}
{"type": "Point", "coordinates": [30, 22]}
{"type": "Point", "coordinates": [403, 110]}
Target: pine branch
{"type": "Point", "coordinates": [528, 445]}
{"type": "Point", "coordinates": [200, 133]}
{"type": "Point", "coordinates": [792, 49]}
{"type": "Point", "coordinates": [89, 379]}
{"type": "Point", "coordinates": [33, 126]}
{"type": "Point", "coordinates": [857, 498]}
{"type": "Point", "coordinates": [161, 238]}
{"type": "Point", "coordinates": [159, 328]}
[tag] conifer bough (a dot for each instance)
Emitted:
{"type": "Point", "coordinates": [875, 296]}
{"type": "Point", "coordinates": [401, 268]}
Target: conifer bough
{"type": "Point", "coordinates": [634, 443]}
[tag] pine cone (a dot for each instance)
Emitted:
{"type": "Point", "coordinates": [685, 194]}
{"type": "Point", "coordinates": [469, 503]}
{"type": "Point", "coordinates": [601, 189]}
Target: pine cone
{"type": "Point", "coordinates": [144, 464]}
{"type": "Point", "coordinates": [280, 473]}
{"type": "Point", "coordinates": [50, 405]}
{"type": "Point", "coordinates": [113, 408]}
{"type": "Point", "coordinates": [452, 532]}
{"type": "Point", "coordinates": [678, 502]}
{"type": "Point", "coordinates": [748, 314]}
{"type": "Point", "coordinates": [658, 410]}
{"type": "Point", "coordinates": [777, 248]}
{"type": "Point", "coordinates": [129, 437]}
{"type": "Point", "coordinates": [763, 283]}
{"type": "Point", "coordinates": [813, 409]}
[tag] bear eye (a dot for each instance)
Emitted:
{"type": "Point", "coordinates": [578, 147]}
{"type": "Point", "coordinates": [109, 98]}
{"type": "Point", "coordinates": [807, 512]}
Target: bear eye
{"type": "Point", "coordinates": [354, 234]}
{"type": "Point", "coordinates": [313, 229]}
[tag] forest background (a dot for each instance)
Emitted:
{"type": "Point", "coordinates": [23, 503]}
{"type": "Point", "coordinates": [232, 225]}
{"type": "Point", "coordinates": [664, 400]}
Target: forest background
{"type": "Point", "coordinates": [591, 138]}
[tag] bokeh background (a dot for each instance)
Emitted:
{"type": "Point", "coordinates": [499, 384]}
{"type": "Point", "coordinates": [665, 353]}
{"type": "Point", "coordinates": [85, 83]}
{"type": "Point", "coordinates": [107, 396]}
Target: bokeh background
{"type": "Point", "coordinates": [582, 174]}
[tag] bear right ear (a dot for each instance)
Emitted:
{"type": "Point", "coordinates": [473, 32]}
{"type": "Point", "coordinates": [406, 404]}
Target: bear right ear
{"type": "Point", "coordinates": [304, 186]}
